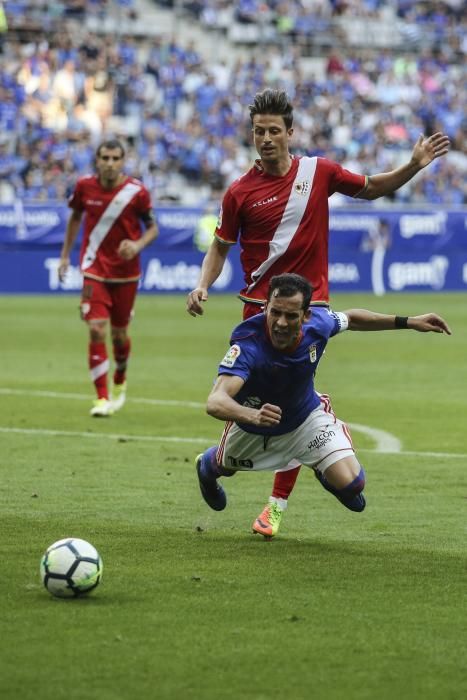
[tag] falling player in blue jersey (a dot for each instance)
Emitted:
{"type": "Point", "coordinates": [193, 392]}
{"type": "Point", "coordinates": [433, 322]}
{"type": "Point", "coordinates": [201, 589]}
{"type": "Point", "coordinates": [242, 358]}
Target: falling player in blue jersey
{"type": "Point", "coordinates": [265, 393]}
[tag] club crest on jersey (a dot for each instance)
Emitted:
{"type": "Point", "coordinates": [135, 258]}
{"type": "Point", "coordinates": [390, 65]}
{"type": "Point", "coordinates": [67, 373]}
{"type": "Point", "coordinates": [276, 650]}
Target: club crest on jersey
{"type": "Point", "coordinates": [313, 353]}
{"type": "Point", "coordinates": [231, 356]}
{"type": "Point", "coordinates": [302, 187]}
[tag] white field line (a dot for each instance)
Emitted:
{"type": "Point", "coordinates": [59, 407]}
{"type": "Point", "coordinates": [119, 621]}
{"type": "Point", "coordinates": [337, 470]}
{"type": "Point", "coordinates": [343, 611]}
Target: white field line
{"type": "Point", "coordinates": [87, 397]}
{"type": "Point", "coordinates": [201, 440]}
{"type": "Point", "coordinates": [110, 436]}
{"type": "Point", "coordinates": [385, 443]}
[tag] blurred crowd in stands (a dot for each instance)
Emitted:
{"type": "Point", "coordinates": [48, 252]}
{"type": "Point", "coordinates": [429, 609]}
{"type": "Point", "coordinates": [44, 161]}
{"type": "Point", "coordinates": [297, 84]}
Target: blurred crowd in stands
{"type": "Point", "coordinates": [184, 118]}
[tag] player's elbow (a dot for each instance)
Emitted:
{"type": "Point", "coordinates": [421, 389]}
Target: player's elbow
{"type": "Point", "coordinates": [212, 406]}
{"type": "Point", "coordinates": [216, 406]}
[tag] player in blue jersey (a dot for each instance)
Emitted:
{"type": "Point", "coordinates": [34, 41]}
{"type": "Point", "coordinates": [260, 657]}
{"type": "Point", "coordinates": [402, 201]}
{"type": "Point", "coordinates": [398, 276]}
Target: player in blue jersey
{"type": "Point", "coordinates": [265, 393]}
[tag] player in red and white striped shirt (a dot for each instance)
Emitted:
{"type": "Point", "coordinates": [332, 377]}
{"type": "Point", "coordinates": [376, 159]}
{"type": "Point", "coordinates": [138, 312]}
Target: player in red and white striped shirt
{"type": "Point", "coordinates": [278, 213]}
{"type": "Point", "coordinates": [114, 206]}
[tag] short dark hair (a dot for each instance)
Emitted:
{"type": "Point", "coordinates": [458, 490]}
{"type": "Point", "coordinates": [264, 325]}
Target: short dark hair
{"type": "Point", "coordinates": [273, 102]}
{"type": "Point", "coordinates": [111, 144]}
{"type": "Point", "coordinates": [289, 284]}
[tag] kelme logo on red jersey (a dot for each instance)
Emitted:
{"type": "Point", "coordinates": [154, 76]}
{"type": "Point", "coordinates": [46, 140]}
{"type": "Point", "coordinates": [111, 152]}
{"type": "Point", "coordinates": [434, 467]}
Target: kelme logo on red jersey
{"type": "Point", "coordinates": [263, 202]}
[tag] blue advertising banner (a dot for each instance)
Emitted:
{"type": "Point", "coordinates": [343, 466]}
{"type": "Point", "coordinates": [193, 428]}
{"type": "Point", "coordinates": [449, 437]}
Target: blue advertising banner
{"type": "Point", "coordinates": [44, 225]}
{"type": "Point", "coordinates": [168, 272]}
{"type": "Point", "coordinates": [370, 250]}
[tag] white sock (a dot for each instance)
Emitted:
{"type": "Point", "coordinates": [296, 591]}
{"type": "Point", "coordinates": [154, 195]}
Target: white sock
{"type": "Point", "coordinates": [281, 502]}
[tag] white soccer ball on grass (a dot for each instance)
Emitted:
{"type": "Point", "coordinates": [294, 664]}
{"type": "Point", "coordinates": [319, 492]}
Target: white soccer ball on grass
{"type": "Point", "coordinates": [71, 567]}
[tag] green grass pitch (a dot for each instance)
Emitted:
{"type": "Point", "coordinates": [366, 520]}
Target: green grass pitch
{"type": "Point", "coordinates": [192, 606]}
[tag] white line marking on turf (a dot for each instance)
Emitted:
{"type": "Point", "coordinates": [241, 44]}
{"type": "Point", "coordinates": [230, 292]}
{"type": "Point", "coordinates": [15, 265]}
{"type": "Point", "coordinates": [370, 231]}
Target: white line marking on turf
{"type": "Point", "coordinates": [111, 436]}
{"type": "Point", "coordinates": [385, 442]}
{"type": "Point", "coordinates": [87, 397]}
{"type": "Point", "coordinates": [200, 440]}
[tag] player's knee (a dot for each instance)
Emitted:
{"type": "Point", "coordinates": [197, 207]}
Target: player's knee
{"type": "Point", "coordinates": [97, 331]}
{"type": "Point", "coordinates": [358, 484]}
{"type": "Point", "coordinates": [351, 496]}
{"type": "Point", "coordinates": [119, 336]}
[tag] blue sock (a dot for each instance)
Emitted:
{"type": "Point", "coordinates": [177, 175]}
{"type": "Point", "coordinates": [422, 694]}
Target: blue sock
{"type": "Point", "coordinates": [350, 496]}
{"type": "Point", "coordinates": [210, 469]}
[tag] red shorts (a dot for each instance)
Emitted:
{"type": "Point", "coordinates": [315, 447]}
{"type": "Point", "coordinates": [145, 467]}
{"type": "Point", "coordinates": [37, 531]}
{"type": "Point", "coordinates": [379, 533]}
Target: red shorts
{"type": "Point", "coordinates": [250, 309]}
{"type": "Point", "coordinates": [108, 300]}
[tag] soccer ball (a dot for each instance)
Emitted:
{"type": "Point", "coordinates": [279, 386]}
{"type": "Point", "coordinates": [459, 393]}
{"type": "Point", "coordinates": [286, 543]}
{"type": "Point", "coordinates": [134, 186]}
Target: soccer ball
{"type": "Point", "coordinates": [71, 567]}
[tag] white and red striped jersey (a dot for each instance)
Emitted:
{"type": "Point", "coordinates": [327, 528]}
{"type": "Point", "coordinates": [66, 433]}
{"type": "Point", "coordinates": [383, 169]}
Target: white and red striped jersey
{"type": "Point", "coordinates": [282, 223]}
{"type": "Point", "coordinates": [110, 217]}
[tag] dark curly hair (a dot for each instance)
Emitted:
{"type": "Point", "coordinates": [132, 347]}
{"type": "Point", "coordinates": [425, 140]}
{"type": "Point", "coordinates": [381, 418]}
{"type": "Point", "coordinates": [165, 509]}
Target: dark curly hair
{"type": "Point", "coordinates": [289, 284]}
{"type": "Point", "coordinates": [273, 102]}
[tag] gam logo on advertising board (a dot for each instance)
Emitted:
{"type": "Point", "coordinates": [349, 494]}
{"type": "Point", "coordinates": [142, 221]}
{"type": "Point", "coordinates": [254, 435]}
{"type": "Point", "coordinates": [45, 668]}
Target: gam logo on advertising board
{"type": "Point", "coordinates": [423, 224]}
{"type": "Point", "coordinates": [431, 273]}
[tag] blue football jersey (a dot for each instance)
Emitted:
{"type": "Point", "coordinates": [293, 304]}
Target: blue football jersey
{"type": "Point", "coordinates": [284, 379]}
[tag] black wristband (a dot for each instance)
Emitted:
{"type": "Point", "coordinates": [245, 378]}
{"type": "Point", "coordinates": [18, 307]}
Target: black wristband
{"type": "Point", "coordinates": [401, 321]}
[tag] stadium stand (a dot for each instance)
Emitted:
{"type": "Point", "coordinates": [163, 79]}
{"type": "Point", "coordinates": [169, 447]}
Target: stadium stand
{"type": "Point", "coordinates": [174, 79]}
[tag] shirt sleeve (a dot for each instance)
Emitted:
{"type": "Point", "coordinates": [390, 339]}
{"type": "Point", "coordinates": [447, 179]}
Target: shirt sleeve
{"type": "Point", "coordinates": [341, 322]}
{"type": "Point", "coordinates": [75, 201]}
{"type": "Point", "coordinates": [237, 361]}
{"type": "Point", "coordinates": [143, 201]}
{"type": "Point", "coordinates": [344, 181]}
{"type": "Point", "coordinates": [228, 224]}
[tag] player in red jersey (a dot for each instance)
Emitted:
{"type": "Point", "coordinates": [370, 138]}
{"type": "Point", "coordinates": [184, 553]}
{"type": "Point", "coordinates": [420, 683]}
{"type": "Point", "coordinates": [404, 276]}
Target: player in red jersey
{"type": "Point", "coordinates": [114, 206]}
{"type": "Point", "coordinates": [278, 212]}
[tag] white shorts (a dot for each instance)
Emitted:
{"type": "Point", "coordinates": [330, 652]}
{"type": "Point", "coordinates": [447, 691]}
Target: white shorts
{"type": "Point", "coordinates": [320, 441]}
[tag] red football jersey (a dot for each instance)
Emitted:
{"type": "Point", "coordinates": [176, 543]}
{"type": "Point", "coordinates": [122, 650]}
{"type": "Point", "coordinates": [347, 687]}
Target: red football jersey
{"type": "Point", "coordinates": [282, 223]}
{"type": "Point", "coordinates": [110, 217]}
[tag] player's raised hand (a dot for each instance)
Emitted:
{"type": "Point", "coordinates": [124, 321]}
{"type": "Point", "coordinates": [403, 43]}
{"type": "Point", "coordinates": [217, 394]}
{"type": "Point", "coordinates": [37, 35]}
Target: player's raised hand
{"type": "Point", "coordinates": [194, 301]}
{"type": "Point", "coordinates": [427, 149]}
{"type": "Point", "coordinates": [427, 323]}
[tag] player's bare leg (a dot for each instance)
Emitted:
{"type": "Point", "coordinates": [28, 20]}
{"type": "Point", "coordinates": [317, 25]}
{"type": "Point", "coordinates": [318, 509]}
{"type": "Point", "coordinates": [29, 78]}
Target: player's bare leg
{"type": "Point", "coordinates": [99, 367]}
{"type": "Point", "coordinates": [121, 344]}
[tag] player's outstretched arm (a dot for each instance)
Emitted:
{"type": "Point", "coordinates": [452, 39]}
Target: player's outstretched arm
{"type": "Point", "coordinates": [222, 405]}
{"type": "Point", "coordinates": [211, 268]}
{"type": "Point", "coordinates": [71, 233]}
{"type": "Point", "coordinates": [425, 151]}
{"type": "Point", "coordinates": [363, 320]}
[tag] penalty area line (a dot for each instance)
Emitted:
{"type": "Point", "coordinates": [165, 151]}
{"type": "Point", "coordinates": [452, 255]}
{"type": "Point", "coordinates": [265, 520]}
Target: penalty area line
{"type": "Point", "coordinates": [198, 440]}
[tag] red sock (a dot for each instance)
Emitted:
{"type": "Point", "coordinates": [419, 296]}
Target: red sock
{"type": "Point", "coordinates": [121, 355]}
{"type": "Point", "coordinates": [284, 483]}
{"type": "Point", "coordinates": [99, 367]}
